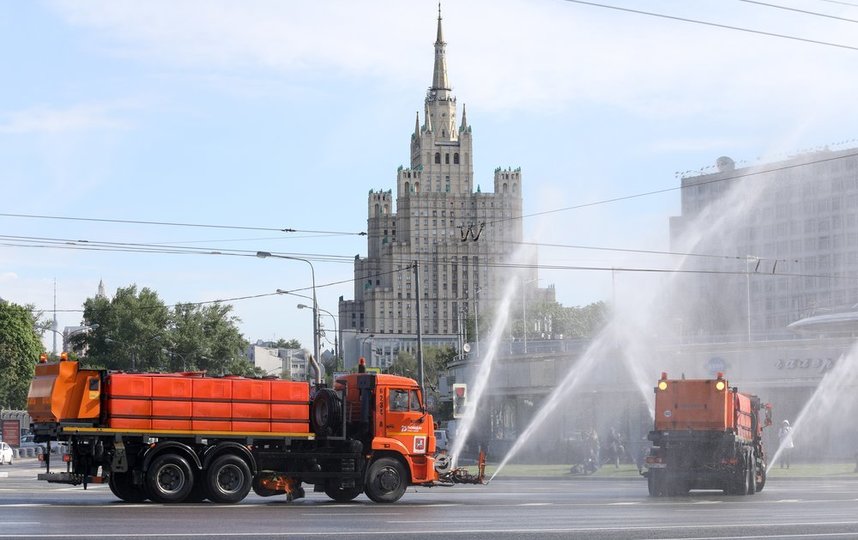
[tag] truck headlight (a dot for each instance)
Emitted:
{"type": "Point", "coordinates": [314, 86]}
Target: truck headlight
{"type": "Point", "coordinates": [662, 385]}
{"type": "Point", "coordinates": [720, 385]}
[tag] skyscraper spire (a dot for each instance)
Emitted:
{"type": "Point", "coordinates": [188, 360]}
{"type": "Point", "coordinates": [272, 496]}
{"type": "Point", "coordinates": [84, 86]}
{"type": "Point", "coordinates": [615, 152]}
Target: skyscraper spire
{"type": "Point", "coordinates": [439, 76]}
{"type": "Point", "coordinates": [417, 124]}
{"type": "Point", "coordinates": [464, 119]}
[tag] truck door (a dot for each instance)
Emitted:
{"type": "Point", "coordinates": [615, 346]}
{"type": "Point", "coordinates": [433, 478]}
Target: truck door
{"type": "Point", "coordinates": [406, 420]}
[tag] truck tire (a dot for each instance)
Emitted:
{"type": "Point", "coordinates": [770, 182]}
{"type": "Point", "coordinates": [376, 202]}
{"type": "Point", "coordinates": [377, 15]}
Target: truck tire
{"type": "Point", "coordinates": [386, 480]}
{"type": "Point", "coordinates": [752, 473]}
{"type": "Point", "coordinates": [169, 479]}
{"type": "Point", "coordinates": [740, 482]}
{"type": "Point", "coordinates": [325, 413]}
{"type": "Point", "coordinates": [761, 482]}
{"type": "Point", "coordinates": [228, 479]}
{"type": "Point", "coordinates": [335, 491]}
{"type": "Point", "coordinates": [655, 483]}
{"type": "Point", "coordinates": [121, 486]}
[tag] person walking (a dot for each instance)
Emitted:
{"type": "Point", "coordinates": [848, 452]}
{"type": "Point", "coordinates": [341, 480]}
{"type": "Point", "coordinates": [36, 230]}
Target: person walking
{"type": "Point", "coordinates": [786, 443]}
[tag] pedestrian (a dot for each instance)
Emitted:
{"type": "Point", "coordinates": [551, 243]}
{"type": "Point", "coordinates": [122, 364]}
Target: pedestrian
{"type": "Point", "coordinates": [615, 442]}
{"type": "Point", "coordinates": [786, 443]}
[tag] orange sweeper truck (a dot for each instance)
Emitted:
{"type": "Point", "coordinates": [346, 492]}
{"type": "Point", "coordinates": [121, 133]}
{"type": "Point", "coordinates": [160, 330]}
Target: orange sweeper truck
{"type": "Point", "coordinates": [707, 435]}
{"type": "Point", "coordinates": [174, 437]}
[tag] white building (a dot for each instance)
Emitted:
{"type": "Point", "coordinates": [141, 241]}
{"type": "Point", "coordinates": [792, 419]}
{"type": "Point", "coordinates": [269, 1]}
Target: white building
{"type": "Point", "coordinates": [792, 247]}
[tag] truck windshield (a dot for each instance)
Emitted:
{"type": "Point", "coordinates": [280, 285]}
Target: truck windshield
{"type": "Point", "coordinates": [404, 400]}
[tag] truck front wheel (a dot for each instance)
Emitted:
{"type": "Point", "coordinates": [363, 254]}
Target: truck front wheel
{"type": "Point", "coordinates": [169, 479]}
{"type": "Point", "coordinates": [121, 486]}
{"type": "Point", "coordinates": [228, 479]}
{"type": "Point", "coordinates": [386, 480]}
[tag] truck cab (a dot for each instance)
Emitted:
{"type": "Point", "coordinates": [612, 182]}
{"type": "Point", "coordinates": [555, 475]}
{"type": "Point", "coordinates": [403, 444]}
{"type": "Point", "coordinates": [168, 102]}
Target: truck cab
{"type": "Point", "coordinates": [387, 413]}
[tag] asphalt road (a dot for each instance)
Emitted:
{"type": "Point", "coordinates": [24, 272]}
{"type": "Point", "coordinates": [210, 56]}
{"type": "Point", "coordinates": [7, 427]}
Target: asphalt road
{"type": "Point", "coordinates": [504, 509]}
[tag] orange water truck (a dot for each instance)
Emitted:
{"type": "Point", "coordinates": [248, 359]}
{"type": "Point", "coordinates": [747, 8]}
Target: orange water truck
{"type": "Point", "coordinates": [176, 437]}
{"type": "Point", "coordinates": [707, 435]}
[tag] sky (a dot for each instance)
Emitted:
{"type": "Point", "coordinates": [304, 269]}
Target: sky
{"type": "Point", "coordinates": [164, 143]}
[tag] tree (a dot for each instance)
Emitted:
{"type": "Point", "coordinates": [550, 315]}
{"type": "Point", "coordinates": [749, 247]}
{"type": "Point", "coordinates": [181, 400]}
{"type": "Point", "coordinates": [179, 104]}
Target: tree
{"type": "Point", "coordinates": [137, 331]}
{"type": "Point", "coordinates": [130, 333]}
{"type": "Point", "coordinates": [20, 346]}
{"type": "Point", "coordinates": [207, 338]}
{"type": "Point", "coordinates": [435, 362]}
{"type": "Point", "coordinates": [291, 344]}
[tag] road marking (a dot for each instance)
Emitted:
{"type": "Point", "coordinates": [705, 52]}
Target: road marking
{"type": "Point", "coordinates": [624, 503]}
{"type": "Point", "coordinates": [22, 523]}
{"type": "Point", "coordinates": [537, 504]}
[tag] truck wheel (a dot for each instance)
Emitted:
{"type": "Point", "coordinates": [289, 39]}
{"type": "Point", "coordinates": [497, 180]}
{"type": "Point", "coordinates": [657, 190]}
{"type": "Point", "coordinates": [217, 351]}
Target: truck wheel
{"type": "Point", "coordinates": [761, 482]}
{"type": "Point", "coordinates": [655, 483]}
{"type": "Point", "coordinates": [335, 491]}
{"type": "Point", "coordinates": [169, 479]}
{"type": "Point", "coordinates": [121, 486]}
{"type": "Point", "coordinates": [325, 413]}
{"type": "Point", "coordinates": [752, 475]}
{"type": "Point", "coordinates": [740, 482]}
{"type": "Point", "coordinates": [386, 480]}
{"type": "Point", "coordinates": [228, 479]}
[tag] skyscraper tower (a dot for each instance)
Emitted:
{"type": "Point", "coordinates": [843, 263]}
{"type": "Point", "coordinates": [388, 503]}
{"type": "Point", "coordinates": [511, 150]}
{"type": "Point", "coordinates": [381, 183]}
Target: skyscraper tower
{"type": "Point", "coordinates": [460, 238]}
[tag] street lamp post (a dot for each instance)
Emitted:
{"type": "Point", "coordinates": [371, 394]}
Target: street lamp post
{"type": "Point", "coordinates": [336, 335]}
{"type": "Point", "coordinates": [134, 348]}
{"type": "Point", "coordinates": [65, 334]}
{"type": "Point", "coordinates": [265, 255]}
{"type": "Point", "coordinates": [363, 344]}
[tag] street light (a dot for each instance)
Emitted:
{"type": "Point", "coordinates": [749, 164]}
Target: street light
{"type": "Point", "coordinates": [363, 344]}
{"type": "Point", "coordinates": [524, 308]}
{"type": "Point", "coordinates": [265, 255]}
{"type": "Point", "coordinates": [66, 334]}
{"type": "Point", "coordinates": [336, 335]}
{"type": "Point", "coordinates": [133, 348]}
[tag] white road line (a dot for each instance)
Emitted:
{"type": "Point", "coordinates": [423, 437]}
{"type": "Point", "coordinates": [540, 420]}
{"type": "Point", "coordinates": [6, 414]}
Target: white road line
{"type": "Point", "coordinates": [536, 504]}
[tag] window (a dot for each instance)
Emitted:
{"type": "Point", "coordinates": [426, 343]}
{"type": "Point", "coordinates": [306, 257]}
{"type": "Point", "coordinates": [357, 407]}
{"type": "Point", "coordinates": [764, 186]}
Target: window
{"type": "Point", "coordinates": [415, 401]}
{"type": "Point", "coordinates": [438, 157]}
{"type": "Point", "coordinates": [398, 400]}
{"type": "Point", "coordinates": [456, 158]}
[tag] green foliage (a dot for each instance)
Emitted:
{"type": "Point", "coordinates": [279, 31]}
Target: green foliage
{"type": "Point", "coordinates": [20, 346]}
{"type": "Point", "coordinates": [137, 331]}
{"type": "Point", "coordinates": [290, 344]}
{"type": "Point", "coordinates": [435, 362]}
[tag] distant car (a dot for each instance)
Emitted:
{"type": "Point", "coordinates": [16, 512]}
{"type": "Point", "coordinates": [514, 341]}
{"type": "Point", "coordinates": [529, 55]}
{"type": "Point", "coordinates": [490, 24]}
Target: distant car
{"type": "Point", "coordinates": [5, 453]}
{"type": "Point", "coordinates": [441, 440]}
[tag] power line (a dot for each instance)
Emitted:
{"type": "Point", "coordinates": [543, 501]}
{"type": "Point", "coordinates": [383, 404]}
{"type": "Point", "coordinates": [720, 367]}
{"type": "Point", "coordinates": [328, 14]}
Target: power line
{"type": "Point", "coordinates": [785, 8]}
{"type": "Point", "coordinates": [839, 2]}
{"type": "Point", "coordinates": [715, 25]}
{"type": "Point", "coordinates": [179, 224]}
{"type": "Point", "coordinates": [750, 172]}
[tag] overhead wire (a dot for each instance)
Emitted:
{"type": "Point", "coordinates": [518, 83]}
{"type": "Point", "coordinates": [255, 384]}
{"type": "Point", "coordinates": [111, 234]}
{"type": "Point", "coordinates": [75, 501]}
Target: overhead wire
{"type": "Point", "coordinates": [806, 12]}
{"type": "Point", "coordinates": [178, 224]}
{"type": "Point", "coordinates": [715, 25]}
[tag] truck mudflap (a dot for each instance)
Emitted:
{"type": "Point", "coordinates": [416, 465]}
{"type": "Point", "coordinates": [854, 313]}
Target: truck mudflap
{"type": "Point", "coordinates": [70, 478]}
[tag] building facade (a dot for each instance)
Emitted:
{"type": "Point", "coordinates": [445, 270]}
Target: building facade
{"type": "Point", "coordinates": [459, 238]}
{"type": "Point", "coordinates": [788, 233]}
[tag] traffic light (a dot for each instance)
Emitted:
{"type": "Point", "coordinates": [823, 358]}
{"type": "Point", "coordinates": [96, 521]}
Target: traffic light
{"type": "Point", "coordinates": [460, 399]}
{"type": "Point", "coordinates": [43, 358]}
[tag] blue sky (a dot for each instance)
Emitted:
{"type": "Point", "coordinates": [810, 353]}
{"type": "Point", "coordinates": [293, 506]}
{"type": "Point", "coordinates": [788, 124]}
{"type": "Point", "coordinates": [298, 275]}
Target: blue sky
{"type": "Point", "coordinates": [276, 114]}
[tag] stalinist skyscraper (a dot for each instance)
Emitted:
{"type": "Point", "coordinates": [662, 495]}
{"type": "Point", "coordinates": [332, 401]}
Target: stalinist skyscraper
{"type": "Point", "coordinates": [462, 239]}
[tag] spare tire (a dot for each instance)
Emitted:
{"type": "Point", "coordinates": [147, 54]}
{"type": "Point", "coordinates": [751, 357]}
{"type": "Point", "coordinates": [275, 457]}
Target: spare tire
{"type": "Point", "coordinates": [326, 413]}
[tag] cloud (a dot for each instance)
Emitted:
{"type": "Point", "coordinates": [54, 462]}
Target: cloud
{"type": "Point", "coordinates": [503, 54]}
{"type": "Point", "coordinates": [84, 117]}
